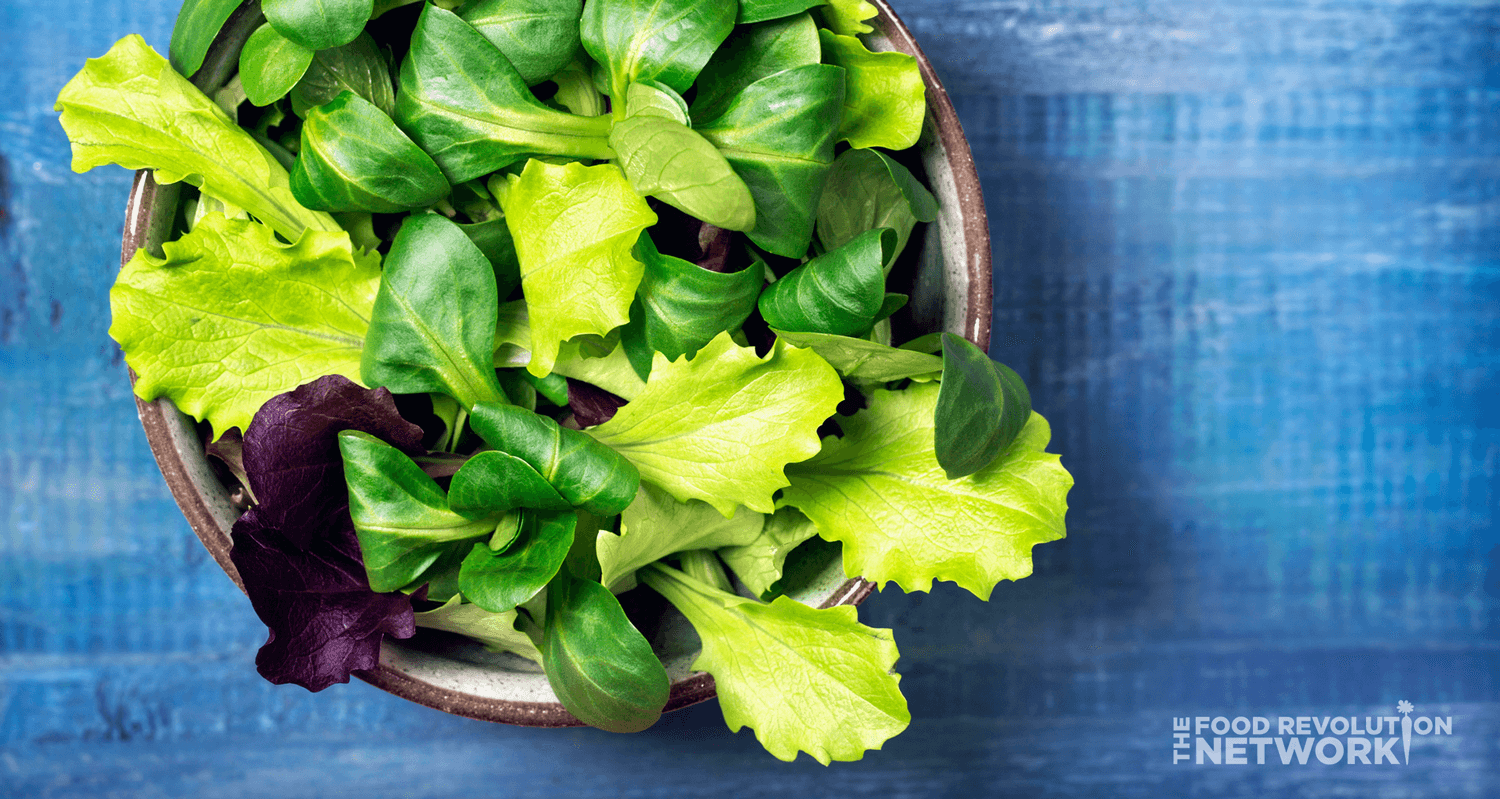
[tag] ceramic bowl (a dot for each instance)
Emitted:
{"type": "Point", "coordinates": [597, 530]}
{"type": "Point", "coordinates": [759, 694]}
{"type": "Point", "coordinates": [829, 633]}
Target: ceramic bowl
{"type": "Point", "coordinates": [951, 291]}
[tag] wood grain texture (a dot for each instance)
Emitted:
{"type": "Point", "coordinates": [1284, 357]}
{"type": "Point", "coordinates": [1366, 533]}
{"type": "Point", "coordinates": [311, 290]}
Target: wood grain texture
{"type": "Point", "coordinates": [1247, 259]}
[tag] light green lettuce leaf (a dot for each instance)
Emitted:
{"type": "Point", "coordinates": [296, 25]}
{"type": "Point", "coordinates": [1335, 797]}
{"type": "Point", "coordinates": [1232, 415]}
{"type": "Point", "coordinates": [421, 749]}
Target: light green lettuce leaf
{"type": "Point", "coordinates": [881, 492]}
{"type": "Point", "coordinates": [574, 228]}
{"type": "Point", "coordinates": [884, 98]}
{"type": "Point", "coordinates": [611, 372]}
{"type": "Point", "coordinates": [848, 17]}
{"type": "Point", "coordinates": [132, 109]}
{"type": "Point", "coordinates": [230, 317]}
{"type": "Point", "coordinates": [810, 680]}
{"type": "Point", "coordinates": [656, 525]}
{"type": "Point", "coordinates": [759, 563]}
{"type": "Point", "coordinates": [497, 631]}
{"type": "Point", "coordinates": [721, 426]}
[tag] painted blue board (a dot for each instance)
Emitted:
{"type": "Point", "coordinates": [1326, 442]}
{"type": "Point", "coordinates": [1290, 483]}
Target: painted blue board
{"type": "Point", "coordinates": [1247, 259]}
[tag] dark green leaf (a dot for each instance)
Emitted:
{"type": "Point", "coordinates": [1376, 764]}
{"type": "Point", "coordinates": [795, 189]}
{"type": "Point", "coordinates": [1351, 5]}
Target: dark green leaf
{"type": "Point", "coordinates": [400, 514]}
{"type": "Point", "coordinates": [598, 663]}
{"type": "Point", "coordinates": [318, 24]}
{"type": "Point", "coordinates": [681, 306]}
{"type": "Point", "coordinates": [761, 10]}
{"type": "Point", "coordinates": [538, 37]}
{"type": "Point", "coordinates": [858, 359]}
{"type": "Point", "coordinates": [468, 108]}
{"type": "Point", "coordinates": [981, 408]}
{"type": "Point", "coordinates": [866, 189]}
{"type": "Point", "coordinates": [665, 40]}
{"type": "Point", "coordinates": [494, 482]}
{"type": "Point", "coordinates": [891, 304]}
{"type": "Point", "coordinates": [433, 325]}
{"type": "Point", "coordinates": [839, 292]}
{"type": "Point", "coordinates": [554, 386]}
{"type": "Point", "coordinates": [354, 158]}
{"type": "Point", "coordinates": [666, 159]}
{"type": "Point", "coordinates": [492, 236]}
{"type": "Point", "coordinates": [585, 472]}
{"type": "Point", "coordinates": [753, 52]}
{"type": "Point", "coordinates": [356, 67]}
{"type": "Point", "coordinates": [198, 23]}
{"type": "Point", "coordinates": [778, 134]}
{"type": "Point", "coordinates": [270, 65]}
{"type": "Point", "coordinates": [499, 581]}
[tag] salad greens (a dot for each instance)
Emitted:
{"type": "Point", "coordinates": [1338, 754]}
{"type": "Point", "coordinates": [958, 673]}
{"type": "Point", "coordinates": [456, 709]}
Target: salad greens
{"type": "Point", "coordinates": [592, 300]}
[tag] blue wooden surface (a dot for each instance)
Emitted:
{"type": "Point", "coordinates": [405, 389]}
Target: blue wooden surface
{"type": "Point", "coordinates": [1248, 261]}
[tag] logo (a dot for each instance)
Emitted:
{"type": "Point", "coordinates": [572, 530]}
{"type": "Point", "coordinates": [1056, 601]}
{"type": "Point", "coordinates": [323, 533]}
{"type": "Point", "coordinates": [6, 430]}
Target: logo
{"type": "Point", "coordinates": [1355, 740]}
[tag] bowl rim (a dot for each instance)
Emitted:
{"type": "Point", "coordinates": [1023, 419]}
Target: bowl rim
{"type": "Point", "coordinates": [158, 416]}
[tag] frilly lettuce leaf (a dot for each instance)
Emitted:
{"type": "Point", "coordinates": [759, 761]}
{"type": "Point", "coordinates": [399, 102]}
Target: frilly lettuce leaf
{"type": "Point", "coordinates": [230, 317]}
{"type": "Point", "coordinates": [760, 562]}
{"type": "Point", "coordinates": [884, 98]}
{"type": "Point", "coordinates": [848, 17]}
{"type": "Point", "coordinates": [132, 109]}
{"type": "Point", "coordinates": [721, 426]}
{"type": "Point", "coordinates": [574, 228]}
{"type": "Point", "coordinates": [656, 525]}
{"type": "Point", "coordinates": [811, 680]}
{"type": "Point", "coordinates": [881, 492]}
{"type": "Point", "coordinates": [611, 372]}
{"type": "Point", "coordinates": [497, 631]}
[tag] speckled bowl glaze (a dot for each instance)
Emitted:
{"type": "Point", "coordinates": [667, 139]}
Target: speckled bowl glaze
{"type": "Point", "coordinates": [952, 291]}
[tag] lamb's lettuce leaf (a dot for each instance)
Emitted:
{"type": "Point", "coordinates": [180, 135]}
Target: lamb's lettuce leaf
{"type": "Point", "coordinates": [270, 65]}
{"type": "Point", "coordinates": [884, 98]}
{"type": "Point", "coordinates": [599, 665]}
{"type": "Point", "coordinates": [131, 108]}
{"type": "Point", "coordinates": [497, 631]}
{"type": "Point", "coordinates": [354, 158]}
{"type": "Point", "coordinates": [762, 10]}
{"type": "Point", "coordinates": [665, 40]}
{"type": "Point", "coordinates": [841, 292]}
{"type": "Point", "coordinates": [721, 426]}
{"type": "Point", "coordinates": [656, 525]}
{"type": "Point", "coordinates": [753, 52]}
{"type": "Point", "coordinates": [462, 101]}
{"type": "Point", "coordinates": [574, 228]}
{"type": "Point", "coordinates": [318, 24]}
{"type": "Point", "coordinates": [848, 17]}
{"type": "Point", "coordinates": [229, 317]}
{"type": "Point", "coordinates": [858, 359]}
{"type": "Point", "coordinates": [494, 482]}
{"type": "Point", "coordinates": [881, 492]}
{"type": "Point", "coordinates": [433, 325]}
{"type": "Point", "coordinates": [760, 562]}
{"type": "Point", "coordinates": [500, 580]}
{"type": "Point", "coordinates": [538, 37]}
{"type": "Point", "coordinates": [198, 24]}
{"type": "Point", "coordinates": [981, 408]}
{"type": "Point", "coordinates": [867, 190]}
{"type": "Point", "coordinates": [584, 472]}
{"type": "Point", "coordinates": [810, 680]}
{"type": "Point", "coordinates": [356, 67]}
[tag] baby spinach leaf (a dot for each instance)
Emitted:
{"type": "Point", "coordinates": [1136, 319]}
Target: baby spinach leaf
{"type": "Point", "coordinates": [778, 134]}
{"type": "Point", "coordinates": [665, 159]}
{"type": "Point", "coordinates": [497, 631]}
{"type": "Point", "coordinates": [759, 564]}
{"type": "Point", "coordinates": [721, 426]}
{"type": "Point", "coordinates": [682, 306]}
{"type": "Point", "coordinates": [499, 581]}
{"type": "Point", "coordinates": [401, 515]}
{"type": "Point", "coordinates": [318, 24]}
{"type": "Point", "coordinates": [586, 473]}
{"type": "Point", "coordinates": [538, 37]}
{"type": "Point", "coordinates": [656, 525]}
{"type": "Point", "coordinates": [229, 317]}
{"type": "Point", "coordinates": [866, 189]}
{"type": "Point", "coordinates": [132, 109]}
{"type": "Point", "coordinates": [270, 65]}
{"type": "Point", "coordinates": [599, 665]}
{"type": "Point", "coordinates": [753, 52]}
{"type": "Point", "coordinates": [880, 491]}
{"type": "Point", "coordinates": [857, 359]}
{"type": "Point", "coordinates": [819, 681]}
{"type": "Point", "coordinates": [884, 98]}
{"type": "Point", "coordinates": [433, 324]}
{"type": "Point", "coordinates": [574, 227]}
{"type": "Point", "coordinates": [762, 10]}
{"type": "Point", "coordinates": [839, 292]}
{"type": "Point", "coordinates": [356, 67]}
{"type": "Point", "coordinates": [354, 158]}
{"type": "Point", "coordinates": [665, 40]}
{"type": "Point", "coordinates": [495, 482]}
{"type": "Point", "coordinates": [463, 102]}
{"type": "Point", "coordinates": [198, 24]}
{"type": "Point", "coordinates": [847, 17]}
{"type": "Point", "coordinates": [981, 408]}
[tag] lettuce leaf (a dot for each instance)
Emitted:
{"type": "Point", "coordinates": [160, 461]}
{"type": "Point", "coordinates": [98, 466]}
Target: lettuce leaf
{"type": "Point", "coordinates": [721, 426]}
{"type": "Point", "coordinates": [611, 372]}
{"type": "Point", "coordinates": [881, 492]}
{"type": "Point", "coordinates": [574, 228]}
{"type": "Point", "coordinates": [884, 97]}
{"type": "Point", "coordinates": [656, 525]}
{"type": "Point", "coordinates": [759, 563]}
{"type": "Point", "coordinates": [132, 109]}
{"type": "Point", "coordinates": [229, 317]}
{"type": "Point", "coordinates": [848, 16]}
{"type": "Point", "coordinates": [497, 631]}
{"type": "Point", "coordinates": [811, 680]}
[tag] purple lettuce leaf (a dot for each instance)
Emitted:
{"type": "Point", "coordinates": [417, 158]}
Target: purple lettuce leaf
{"type": "Point", "coordinates": [591, 404]}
